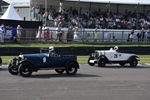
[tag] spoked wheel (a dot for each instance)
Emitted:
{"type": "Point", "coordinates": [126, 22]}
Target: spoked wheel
{"type": "Point", "coordinates": [91, 64]}
{"type": "Point", "coordinates": [13, 69]}
{"type": "Point", "coordinates": [133, 62]}
{"type": "Point", "coordinates": [60, 71]}
{"type": "Point", "coordinates": [25, 69]}
{"type": "Point", "coordinates": [71, 68]}
{"type": "Point", "coordinates": [102, 62]}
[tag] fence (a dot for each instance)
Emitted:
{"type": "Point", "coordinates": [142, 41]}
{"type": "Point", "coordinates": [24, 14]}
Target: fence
{"type": "Point", "coordinates": [83, 36]}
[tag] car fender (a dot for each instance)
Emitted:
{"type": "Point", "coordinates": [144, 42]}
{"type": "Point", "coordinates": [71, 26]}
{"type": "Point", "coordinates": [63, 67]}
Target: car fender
{"type": "Point", "coordinates": [133, 56]}
{"type": "Point", "coordinates": [35, 68]}
{"type": "Point", "coordinates": [72, 61]}
{"type": "Point", "coordinates": [103, 56]}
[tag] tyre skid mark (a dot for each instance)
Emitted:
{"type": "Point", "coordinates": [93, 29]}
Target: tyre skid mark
{"type": "Point", "coordinates": [143, 89]}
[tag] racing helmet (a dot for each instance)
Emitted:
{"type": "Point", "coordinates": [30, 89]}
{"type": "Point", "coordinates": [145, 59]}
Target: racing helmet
{"type": "Point", "coordinates": [51, 48]}
{"type": "Point", "coordinates": [116, 48]}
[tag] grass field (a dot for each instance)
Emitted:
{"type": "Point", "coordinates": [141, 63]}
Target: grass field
{"type": "Point", "coordinates": [72, 44]}
{"type": "Point", "coordinates": [83, 59]}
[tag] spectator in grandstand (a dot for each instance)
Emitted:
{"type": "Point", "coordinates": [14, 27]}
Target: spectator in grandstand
{"type": "Point", "coordinates": [60, 6]}
{"type": "Point", "coordinates": [148, 14]}
{"type": "Point", "coordinates": [131, 36]}
{"type": "Point", "coordinates": [75, 31]}
{"type": "Point", "coordinates": [45, 16]}
{"type": "Point", "coordinates": [117, 21]}
{"type": "Point", "coordinates": [50, 16]}
{"type": "Point", "coordinates": [95, 34]}
{"type": "Point", "coordinates": [2, 31]}
{"type": "Point", "coordinates": [141, 35]}
{"type": "Point", "coordinates": [74, 20]}
{"type": "Point", "coordinates": [37, 10]}
{"type": "Point", "coordinates": [101, 19]}
{"type": "Point", "coordinates": [92, 24]}
{"type": "Point", "coordinates": [38, 33]}
{"type": "Point", "coordinates": [106, 35]}
{"type": "Point", "coordinates": [129, 24]}
{"type": "Point", "coordinates": [58, 32]}
{"type": "Point", "coordinates": [32, 14]}
{"type": "Point", "coordinates": [69, 34]}
{"type": "Point", "coordinates": [43, 32]}
{"type": "Point", "coordinates": [123, 23]}
{"type": "Point", "coordinates": [19, 32]}
{"type": "Point", "coordinates": [47, 35]}
{"type": "Point", "coordinates": [148, 35]}
{"type": "Point", "coordinates": [61, 34]}
{"type": "Point", "coordinates": [58, 20]}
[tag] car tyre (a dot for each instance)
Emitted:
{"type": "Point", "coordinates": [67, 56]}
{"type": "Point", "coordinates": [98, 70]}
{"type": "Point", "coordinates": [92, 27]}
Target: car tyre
{"type": "Point", "coordinates": [102, 62]}
{"type": "Point", "coordinates": [12, 70]}
{"type": "Point", "coordinates": [91, 64]}
{"type": "Point", "coordinates": [133, 62]}
{"type": "Point", "coordinates": [25, 69]}
{"type": "Point", "coordinates": [1, 61]}
{"type": "Point", "coordinates": [60, 71]}
{"type": "Point", "coordinates": [71, 68]}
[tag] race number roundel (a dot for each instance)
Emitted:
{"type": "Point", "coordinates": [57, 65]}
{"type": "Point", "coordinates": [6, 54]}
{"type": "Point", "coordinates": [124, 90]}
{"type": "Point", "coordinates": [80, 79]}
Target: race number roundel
{"type": "Point", "coordinates": [44, 60]}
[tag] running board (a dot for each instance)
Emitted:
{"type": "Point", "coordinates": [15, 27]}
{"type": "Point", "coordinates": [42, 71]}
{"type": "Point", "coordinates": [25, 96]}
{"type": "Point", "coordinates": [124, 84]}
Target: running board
{"type": "Point", "coordinates": [52, 68]}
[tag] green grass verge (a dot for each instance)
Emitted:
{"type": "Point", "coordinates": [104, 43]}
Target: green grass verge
{"type": "Point", "coordinates": [83, 59]}
{"type": "Point", "coordinates": [72, 44]}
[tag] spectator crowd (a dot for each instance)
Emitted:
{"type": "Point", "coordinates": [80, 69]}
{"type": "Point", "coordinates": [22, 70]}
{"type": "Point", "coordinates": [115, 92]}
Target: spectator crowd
{"type": "Point", "coordinates": [97, 18]}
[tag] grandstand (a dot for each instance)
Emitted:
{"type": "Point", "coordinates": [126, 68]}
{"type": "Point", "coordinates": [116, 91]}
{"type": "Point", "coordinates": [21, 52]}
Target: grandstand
{"type": "Point", "coordinates": [80, 9]}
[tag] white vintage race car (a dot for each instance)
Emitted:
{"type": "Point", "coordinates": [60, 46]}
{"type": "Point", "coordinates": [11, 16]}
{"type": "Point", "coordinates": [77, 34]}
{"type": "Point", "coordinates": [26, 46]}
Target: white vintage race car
{"type": "Point", "coordinates": [112, 56]}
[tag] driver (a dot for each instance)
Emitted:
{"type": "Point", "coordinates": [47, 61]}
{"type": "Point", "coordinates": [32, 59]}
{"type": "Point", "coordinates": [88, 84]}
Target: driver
{"type": "Point", "coordinates": [51, 51]}
{"type": "Point", "coordinates": [116, 48]}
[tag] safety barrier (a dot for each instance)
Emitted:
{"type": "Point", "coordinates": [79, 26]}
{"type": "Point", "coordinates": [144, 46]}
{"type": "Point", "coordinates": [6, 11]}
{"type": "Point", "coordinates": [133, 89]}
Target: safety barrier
{"type": "Point", "coordinates": [82, 36]}
{"type": "Point", "coordinates": [15, 51]}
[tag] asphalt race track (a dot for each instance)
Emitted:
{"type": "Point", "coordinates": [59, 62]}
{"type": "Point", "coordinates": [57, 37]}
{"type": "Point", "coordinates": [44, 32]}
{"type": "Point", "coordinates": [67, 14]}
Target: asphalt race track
{"type": "Point", "coordinates": [90, 83]}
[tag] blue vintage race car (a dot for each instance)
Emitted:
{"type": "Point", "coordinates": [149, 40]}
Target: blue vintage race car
{"type": "Point", "coordinates": [25, 64]}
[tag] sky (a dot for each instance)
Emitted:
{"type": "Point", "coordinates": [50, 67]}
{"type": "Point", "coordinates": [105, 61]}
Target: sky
{"type": "Point", "coordinates": [11, 1]}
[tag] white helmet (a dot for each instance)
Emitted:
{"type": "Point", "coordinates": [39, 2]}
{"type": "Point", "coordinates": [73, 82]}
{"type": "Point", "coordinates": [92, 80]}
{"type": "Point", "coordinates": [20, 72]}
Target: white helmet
{"type": "Point", "coordinates": [51, 48]}
{"type": "Point", "coordinates": [116, 48]}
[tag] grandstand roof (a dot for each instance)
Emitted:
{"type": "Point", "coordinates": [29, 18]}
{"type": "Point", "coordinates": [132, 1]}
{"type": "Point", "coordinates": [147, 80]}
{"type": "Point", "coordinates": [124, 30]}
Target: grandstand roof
{"type": "Point", "coordinates": [19, 4]}
{"type": "Point", "coordinates": [140, 2]}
